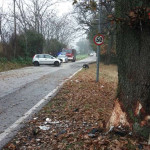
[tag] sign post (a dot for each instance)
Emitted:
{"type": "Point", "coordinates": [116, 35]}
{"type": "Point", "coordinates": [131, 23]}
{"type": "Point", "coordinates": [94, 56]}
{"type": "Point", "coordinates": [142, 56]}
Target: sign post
{"type": "Point", "coordinates": [98, 40]}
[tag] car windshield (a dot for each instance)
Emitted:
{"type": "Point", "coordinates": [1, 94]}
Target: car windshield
{"type": "Point", "coordinates": [63, 53]}
{"type": "Point", "coordinates": [62, 56]}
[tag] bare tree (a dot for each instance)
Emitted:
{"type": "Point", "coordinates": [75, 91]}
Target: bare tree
{"type": "Point", "coordinates": [39, 16]}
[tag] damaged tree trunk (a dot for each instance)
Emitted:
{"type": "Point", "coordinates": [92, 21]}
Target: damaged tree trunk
{"type": "Point", "coordinates": [133, 50]}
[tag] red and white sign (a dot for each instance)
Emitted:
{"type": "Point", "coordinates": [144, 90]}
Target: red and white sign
{"type": "Point", "coordinates": [98, 39]}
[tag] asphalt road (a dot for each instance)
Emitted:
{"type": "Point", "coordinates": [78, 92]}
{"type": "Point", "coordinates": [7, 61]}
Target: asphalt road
{"type": "Point", "coordinates": [22, 89]}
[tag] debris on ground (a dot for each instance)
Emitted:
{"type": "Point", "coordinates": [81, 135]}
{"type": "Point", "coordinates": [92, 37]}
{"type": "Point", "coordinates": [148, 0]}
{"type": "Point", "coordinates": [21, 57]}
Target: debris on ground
{"type": "Point", "coordinates": [75, 119]}
{"type": "Point", "coordinates": [44, 128]}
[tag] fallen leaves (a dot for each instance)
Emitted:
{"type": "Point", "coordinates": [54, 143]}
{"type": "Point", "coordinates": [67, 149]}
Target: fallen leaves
{"type": "Point", "coordinates": [76, 118]}
{"type": "Point", "coordinates": [11, 146]}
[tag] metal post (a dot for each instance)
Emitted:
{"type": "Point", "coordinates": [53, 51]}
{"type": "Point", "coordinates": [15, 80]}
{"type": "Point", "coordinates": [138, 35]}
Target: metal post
{"type": "Point", "coordinates": [98, 47]}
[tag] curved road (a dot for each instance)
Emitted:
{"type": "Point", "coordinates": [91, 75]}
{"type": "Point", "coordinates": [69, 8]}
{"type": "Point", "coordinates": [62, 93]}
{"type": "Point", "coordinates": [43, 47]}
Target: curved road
{"type": "Point", "coordinates": [22, 89]}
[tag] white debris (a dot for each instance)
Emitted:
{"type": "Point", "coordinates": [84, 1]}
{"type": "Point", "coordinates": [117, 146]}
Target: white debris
{"type": "Point", "coordinates": [130, 133]}
{"type": "Point", "coordinates": [38, 140]}
{"type": "Point", "coordinates": [44, 128]}
{"type": "Point", "coordinates": [110, 129]}
{"type": "Point", "coordinates": [49, 121]}
{"type": "Point", "coordinates": [45, 122]}
{"type": "Point", "coordinates": [102, 86]}
{"type": "Point", "coordinates": [77, 81]}
{"type": "Point", "coordinates": [55, 122]}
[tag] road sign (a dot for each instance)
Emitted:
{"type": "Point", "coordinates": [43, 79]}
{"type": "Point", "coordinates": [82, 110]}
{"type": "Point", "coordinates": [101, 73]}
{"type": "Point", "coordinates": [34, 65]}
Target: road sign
{"type": "Point", "coordinates": [98, 39]}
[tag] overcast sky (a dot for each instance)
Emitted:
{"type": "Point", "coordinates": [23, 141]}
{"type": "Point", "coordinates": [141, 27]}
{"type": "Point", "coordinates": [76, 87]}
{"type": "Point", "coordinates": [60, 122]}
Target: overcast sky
{"type": "Point", "coordinates": [62, 8]}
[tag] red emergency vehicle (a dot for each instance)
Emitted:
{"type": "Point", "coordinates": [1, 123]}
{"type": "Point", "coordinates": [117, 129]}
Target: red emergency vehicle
{"type": "Point", "coordinates": [70, 53]}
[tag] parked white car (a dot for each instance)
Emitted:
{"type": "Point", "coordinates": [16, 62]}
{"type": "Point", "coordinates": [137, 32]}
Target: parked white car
{"type": "Point", "coordinates": [45, 59]}
{"type": "Point", "coordinates": [63, 58]}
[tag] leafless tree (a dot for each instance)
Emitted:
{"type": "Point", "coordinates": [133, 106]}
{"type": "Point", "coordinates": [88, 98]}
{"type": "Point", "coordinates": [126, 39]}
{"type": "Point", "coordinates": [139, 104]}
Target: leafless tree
{"type": "Point", "coordinates": [39, 16]}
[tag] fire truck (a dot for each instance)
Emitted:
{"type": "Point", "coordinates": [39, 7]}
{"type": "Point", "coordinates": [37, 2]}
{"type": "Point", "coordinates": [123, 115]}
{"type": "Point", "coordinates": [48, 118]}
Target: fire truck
{"type": "Point", "coordinates": [70, 53]}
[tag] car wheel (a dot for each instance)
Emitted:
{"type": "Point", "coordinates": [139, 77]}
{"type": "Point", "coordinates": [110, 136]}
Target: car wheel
{"type": "Point", "coordinates": [56, 63]}
{"type": "Point", "coordinates": [36, 63]}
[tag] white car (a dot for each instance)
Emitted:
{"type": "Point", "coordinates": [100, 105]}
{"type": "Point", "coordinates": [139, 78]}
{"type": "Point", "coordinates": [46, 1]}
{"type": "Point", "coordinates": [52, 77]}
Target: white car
{"type": "Point", "coordinates": [63, 58]}
{"type": "Point", "coordinates": [45, 59]}
{"type": "Point", "coordinates": [91, 54]}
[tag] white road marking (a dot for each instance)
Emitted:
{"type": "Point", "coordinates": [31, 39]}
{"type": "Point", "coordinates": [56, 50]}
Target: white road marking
{"type": "Point", "coordinates": [28, 113]}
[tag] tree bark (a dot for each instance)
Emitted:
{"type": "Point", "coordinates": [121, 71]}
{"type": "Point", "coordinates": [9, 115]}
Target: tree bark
{"type": "Point", "coordinates": [133, 50]}
{"type": "Point", "coordinates": [134, 67]}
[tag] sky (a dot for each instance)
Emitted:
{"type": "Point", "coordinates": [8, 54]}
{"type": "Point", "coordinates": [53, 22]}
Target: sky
{"type": "Point", "coordinates": [62, 8]}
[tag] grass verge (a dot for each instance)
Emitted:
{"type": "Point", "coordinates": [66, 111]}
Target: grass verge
{"type": "Point", "coordinates": [20, 62]}
{"type": "Point", "coordinates": [80, 57]}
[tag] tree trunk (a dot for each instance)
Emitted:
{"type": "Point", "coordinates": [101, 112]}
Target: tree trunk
{"type": "Point", "coordinates": [133, 50]}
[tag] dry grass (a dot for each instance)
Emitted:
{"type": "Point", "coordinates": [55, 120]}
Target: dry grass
{"type": "Point", "coordinates": [10, 66]}
{"type": "Point", "coordinates": [109, 73]}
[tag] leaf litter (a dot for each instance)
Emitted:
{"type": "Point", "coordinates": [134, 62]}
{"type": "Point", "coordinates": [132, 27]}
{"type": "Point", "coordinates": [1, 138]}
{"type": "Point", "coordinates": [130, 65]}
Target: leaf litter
{"type": "Point", "coordinates": [75, 119]}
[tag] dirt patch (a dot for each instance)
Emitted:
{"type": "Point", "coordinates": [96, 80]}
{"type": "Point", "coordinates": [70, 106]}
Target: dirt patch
{"type": "Point", "coordinates": [75, 119]}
